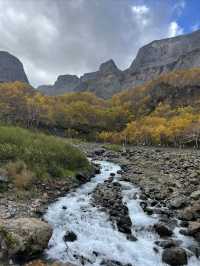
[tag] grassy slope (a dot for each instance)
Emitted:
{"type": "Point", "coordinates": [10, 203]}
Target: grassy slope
{"type": "Point", "coordinates": [29, 156]}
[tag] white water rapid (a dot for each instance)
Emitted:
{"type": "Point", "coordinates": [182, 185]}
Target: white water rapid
{"type": "Point", "coordinates": [97, 240]}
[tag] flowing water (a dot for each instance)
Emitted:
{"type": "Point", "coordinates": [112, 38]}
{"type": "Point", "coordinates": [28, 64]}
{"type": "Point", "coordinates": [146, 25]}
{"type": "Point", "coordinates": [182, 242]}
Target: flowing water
{"type": "Point", "coordinates": [97, 240]}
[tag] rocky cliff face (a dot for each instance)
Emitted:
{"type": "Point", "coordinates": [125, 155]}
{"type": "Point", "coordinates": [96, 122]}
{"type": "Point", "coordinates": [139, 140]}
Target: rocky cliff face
{"type": "Point", "coordinates": [11, 69]}
{"type": "Point", "coordinates": [63, 84]}
{"type": "Point", "coordinates": [163, 56]}
{"type": "Point", "coordinates": [152, 60]}
{"type": "Point", "coordinates": [105, 82]}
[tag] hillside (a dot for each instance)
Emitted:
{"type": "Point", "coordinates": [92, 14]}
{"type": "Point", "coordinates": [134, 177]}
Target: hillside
{"type": "Point", "coordinates": [163, 111]}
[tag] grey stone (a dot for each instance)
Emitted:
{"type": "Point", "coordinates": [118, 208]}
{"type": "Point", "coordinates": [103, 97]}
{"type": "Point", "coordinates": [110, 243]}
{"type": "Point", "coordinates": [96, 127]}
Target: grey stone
{"type": "Point", "coordinates": [11, 69]}
{"type": "Point", "coordinates": [174, 256]}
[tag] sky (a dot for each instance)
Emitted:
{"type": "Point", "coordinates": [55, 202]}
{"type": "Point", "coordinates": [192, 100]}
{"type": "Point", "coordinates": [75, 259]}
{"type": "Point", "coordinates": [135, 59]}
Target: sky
{"type": "Point", "coordinates": [54, 37]}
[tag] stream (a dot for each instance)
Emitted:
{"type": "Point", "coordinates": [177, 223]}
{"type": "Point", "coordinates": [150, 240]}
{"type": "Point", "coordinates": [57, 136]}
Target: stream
{"type": "Point", "coordinates": [97, 241]}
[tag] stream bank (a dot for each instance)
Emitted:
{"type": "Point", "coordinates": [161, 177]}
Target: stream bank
{"type": "Point", "coordinates": [87, 232]}
{"type": "Point", "coordinates": [166, 184]}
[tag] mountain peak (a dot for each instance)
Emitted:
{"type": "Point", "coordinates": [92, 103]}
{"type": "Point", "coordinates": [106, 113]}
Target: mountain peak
{"type": "Point", "coordinates": [108, 67]}
{"type": "Point", "coordinates": [11, 68]}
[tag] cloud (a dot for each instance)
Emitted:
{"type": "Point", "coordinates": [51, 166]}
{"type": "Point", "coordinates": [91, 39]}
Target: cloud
{"type": "Point", "coordinates": [76, 36]}
{"type": "Point", "coordinates": [195, 27]}
{"type": "Point", "coordinates": [174, 29]}
{"type": "Point", "coordinates": [179, 7]}
{"type": "Point", "coordinates": [141, 14]}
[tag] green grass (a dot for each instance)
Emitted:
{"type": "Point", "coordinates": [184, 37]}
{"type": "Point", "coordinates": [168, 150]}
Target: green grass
{"type": "Point", "coordinates": [28, 154]}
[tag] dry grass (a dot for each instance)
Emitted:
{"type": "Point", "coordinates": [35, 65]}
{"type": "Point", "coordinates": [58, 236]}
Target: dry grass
{"type": "Point", "coordinates": [19, 174]}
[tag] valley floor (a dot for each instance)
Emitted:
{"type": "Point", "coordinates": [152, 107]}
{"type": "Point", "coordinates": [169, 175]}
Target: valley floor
{"type": "Point", "coordinates": [169, 181]}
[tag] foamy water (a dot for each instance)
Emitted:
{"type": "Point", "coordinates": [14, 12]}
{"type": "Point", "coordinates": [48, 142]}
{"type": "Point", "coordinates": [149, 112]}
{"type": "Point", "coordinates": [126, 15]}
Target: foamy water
{"type": "Point", "coordinates": [97, 240]}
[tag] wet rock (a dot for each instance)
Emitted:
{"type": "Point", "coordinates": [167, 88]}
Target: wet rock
{"type": "Point", "coordinates": [97, 171]}
{"type": "Point", "coordinates": [195, 249]}
{"type": "Point", "coordinates": [23, 237]}
{"type": "Point", "coordinates": [168, 243]}
{"type": "Point", "coordinates": [194, 230]}
{"type": "Point", "coordinates": [82, 178]}
{"type": "Point", "coordinates": [149, 211]}
{"type": "Point", "coordinates": [124, 224]}
{"type": "Point", "coordinates": [162, 230]}
{"type": "Point", "coordinates": [113, 263]}
{"type": "Point", "coordinates": [119, 172]}
{"type": "Point", "coordinates": [70, 237]}
{"type": "Point", "coordinates": [108, 195]}
{"type": "Point", "coordinates": [99, 152]}
{"type": "Point", "coordinates": [184, 223]}
{"type": "Point", "coordinates": [174, 256]}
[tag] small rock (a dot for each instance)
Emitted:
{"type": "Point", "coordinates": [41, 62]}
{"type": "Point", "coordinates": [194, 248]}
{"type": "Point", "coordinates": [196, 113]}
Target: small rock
{"type": "Point", "coordinates": [195, 195]}
{"type": "Point", "coordinates": [178, 203]}
{"type": "Point", "coordinates": [70, 237]}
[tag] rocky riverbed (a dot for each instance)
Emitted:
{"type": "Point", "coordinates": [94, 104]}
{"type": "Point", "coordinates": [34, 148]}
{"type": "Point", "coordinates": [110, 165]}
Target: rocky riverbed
{"type": "Point", "coordinates": [168, 187]}
{"type": "Point", "coordinates": [169, 182]}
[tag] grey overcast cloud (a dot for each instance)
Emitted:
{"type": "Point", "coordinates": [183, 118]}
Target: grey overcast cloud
{"type": "Point", "coordinates": [53, 37]}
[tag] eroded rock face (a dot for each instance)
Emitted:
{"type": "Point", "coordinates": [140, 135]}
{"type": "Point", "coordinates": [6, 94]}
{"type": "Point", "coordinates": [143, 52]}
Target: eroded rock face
{"type": "Point", "coordinates": [163, 56]}
{"type": "Point", "coordinates": [23, 237]}
{"type": "Point", "coordinates": [63, 84]}
{"type": "Point", "coordinates": [105, 82]}
{"type": "Point", "coordinates": [11, 69]}
{"type": "Point", "coordinates": [152, 60]}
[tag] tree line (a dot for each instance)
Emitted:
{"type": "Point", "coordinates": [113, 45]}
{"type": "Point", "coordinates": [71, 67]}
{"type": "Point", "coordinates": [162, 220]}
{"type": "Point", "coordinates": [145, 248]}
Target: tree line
{"type": "Point", "coordinates": [165, 112]}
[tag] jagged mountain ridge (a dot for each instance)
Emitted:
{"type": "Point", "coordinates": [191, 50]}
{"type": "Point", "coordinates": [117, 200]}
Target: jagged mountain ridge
{"type": "Point", "coordinates": [152, 60]}
{"type": "Point", "coordinates": [59, 87]}
{"type": "Point", "coordinates": [11, 68]}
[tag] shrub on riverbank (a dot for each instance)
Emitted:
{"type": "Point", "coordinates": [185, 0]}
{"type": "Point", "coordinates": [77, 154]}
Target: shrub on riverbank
{"type": "Point", "coordinates": [27, 156]}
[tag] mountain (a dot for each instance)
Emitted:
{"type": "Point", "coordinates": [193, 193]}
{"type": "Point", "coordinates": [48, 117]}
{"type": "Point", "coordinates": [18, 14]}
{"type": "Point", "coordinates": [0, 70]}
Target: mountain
{"type": "Point", "coordinates": [105, 82]}
{"type": "Point", "coordinates": [63, 84]}
{"type": "Point", "coordinates": [11, 69]}
{"type": "Point", "coordinates": [156, 58]}
{"type": "Point", "coordinates": [163, 56]}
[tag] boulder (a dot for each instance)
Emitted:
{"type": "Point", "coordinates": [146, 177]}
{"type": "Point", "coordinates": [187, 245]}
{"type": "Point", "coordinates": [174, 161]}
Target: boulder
{"type": "Point", "coordinates": [174, 256]}
{"type": "Point", "coordinates": [162, 230]}
{"type": "Point", "coordinates": [178, 203]}
{"type": "Point", "coordinates": [194, 230]}
{"type": "Point", "coordinates": [23, 237]}
{"type": "Point", "coordinates": [191, 213]}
